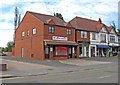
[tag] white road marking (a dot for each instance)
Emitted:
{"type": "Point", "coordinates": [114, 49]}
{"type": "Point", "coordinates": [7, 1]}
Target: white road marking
{"type": "Point", "coordinates": [104, 76]}
{"type": "Point", "coordinates": [11, 78]}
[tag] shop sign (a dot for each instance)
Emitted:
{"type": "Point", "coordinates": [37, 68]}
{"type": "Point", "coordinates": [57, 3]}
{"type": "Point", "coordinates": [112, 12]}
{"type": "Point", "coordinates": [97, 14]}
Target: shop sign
{"type": "Point", "coordinates": [59, 38]}
{"type": "Point", "coordinates": [61, 51]}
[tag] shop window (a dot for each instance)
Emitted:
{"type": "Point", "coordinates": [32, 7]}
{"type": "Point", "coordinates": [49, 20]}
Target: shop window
{"type": "Point", "coordinates": [34, 31]}
{"type": "Point", "coordinates": [51, 29]}
{"type": "Point", "coordinates": [69, 32]}
{"type": "Point", "coordinates": [61, 51]}
{"type": "Point", "coordinates": [83, 34]}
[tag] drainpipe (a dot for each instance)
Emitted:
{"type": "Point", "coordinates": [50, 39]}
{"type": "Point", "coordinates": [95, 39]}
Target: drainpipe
{"type": "Point", "coordinates": [108, 45]}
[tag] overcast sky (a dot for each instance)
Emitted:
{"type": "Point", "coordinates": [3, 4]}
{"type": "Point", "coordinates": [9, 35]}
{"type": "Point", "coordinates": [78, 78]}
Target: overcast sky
{"type": "Point", "coordinates": [107, 10]}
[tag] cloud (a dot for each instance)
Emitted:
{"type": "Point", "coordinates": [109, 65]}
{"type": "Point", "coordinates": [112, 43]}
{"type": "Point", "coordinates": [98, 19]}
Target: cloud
{"type": "Point", "coordinates": [94, 9]}
{"type": "Point", "coordinates": [6, 26]}
{"type": "Point", "coordinates": [5, 36]}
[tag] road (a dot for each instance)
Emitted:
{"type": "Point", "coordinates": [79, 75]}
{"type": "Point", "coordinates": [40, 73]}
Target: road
{"type": "Point", "coordinates": [102, 73]}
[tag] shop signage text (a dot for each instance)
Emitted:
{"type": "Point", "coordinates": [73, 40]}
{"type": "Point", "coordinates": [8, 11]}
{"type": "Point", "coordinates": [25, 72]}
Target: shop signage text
{"type": "Point", "coordinates": [59, 38]}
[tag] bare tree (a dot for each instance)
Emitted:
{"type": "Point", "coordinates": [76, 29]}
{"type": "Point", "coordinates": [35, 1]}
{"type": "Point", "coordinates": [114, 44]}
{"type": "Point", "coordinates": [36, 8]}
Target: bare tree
{"type": "Point", "coordinates": [17, 19]}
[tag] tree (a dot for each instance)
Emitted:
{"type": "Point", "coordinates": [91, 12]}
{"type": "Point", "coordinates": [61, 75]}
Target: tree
{"type": "Point", "coordinates": [114, 26]}
{"type": "Point", "coordinates": [17, 19]}
{"type": "Point", "coordinates": [59, 15]}
{"type": "Point", "coordinates": [9, 47]}
{"type": "Point", "coordinates": [118, 30]}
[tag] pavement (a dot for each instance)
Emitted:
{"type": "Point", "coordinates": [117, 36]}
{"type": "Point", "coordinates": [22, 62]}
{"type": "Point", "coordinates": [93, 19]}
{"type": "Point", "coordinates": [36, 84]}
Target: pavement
{"type": "Point", "coordinates": [18, 67]}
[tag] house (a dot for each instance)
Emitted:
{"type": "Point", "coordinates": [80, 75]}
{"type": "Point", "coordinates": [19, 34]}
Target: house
{"type": "Point", "coordinates": [91, 36]}
{"type": "Point", "coordinates": [118, 34]}
{"type": "Point", "coordinates": [41, 36]}
{"type": "Point", "coordinates": [82, 36]}
{"type": "Point", "coordinates": [113, 39]}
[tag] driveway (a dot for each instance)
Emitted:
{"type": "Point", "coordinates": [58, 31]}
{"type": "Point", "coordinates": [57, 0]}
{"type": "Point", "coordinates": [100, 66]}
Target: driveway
{"type": "Point", "coordinates": [17, 65]}
{"type": "Point", "coordinates": [53, 63]}
{"type": "Point", "coordinates": [25, 67]}
{"type": "Point", "coordinates": [81, 62]}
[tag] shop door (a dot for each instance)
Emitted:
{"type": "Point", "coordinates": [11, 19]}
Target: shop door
{"type": "Point", "coordinates": [92, 51]}
{"type": "Point", "coordinates": [22, 52]}
{"type": "Point", "coordinates": [70, 52]}
{"type": "Point", "coordinates": [47, 52]}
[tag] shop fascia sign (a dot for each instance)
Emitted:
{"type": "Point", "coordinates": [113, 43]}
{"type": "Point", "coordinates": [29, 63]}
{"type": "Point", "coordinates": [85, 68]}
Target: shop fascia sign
{"type": "Point", "coordinates": [59, 38]}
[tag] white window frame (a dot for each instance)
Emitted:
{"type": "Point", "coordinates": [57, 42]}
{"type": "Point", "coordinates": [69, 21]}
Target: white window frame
{"type": "Point", "coordinates": [23, 33]}
{"type": "Point", "coordinates": [83, 34]}
{"type": "Point", "coordinates": [103, 37]}
{"type": "Point", "coordinates": [112, 38]}
{"type": "Point", "coordinates": [34, 31]}
{"type": "Point", "coordinates": [69, 31]}
{"type": "Point", "coordinates": [28, 32]}
{"type": "Point", "coordinates": [94, 37]}
{"type": "Point", "coordinates": [51, 29]}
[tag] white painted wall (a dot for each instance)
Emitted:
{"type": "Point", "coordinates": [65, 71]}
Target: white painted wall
{"type": "Point", "coordinates": [116, 40]}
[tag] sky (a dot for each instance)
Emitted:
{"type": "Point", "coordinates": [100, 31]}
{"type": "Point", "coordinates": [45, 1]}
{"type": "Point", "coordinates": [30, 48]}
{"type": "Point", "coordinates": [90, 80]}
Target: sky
{"type": "Point", "coordinates": [107, 10]}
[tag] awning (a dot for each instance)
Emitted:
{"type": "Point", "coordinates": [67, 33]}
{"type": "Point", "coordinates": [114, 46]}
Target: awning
{"type": "Point", "coordinates": [103, 46]}
{"type": "Point", "coordinates": [61, 43]}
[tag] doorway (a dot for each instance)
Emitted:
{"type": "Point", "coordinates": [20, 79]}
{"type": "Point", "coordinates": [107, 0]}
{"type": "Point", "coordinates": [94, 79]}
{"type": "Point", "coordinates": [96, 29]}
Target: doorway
{"type": "Point", "coordinates": [70, 52]}
{"type": "Point", "coordinates": [22, 52]}
{"type": "Point", "coordinates": [47, 50]}
{"type": "Point", "coordinates": [92, 51]}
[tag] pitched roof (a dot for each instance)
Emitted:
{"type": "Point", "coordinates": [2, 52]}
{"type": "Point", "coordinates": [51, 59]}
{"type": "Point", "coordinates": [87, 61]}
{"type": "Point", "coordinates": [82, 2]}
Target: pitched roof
{"type": "Point", "coordinates": [86, 24]}
{"type": "Point", "coordinates": [109, 28]}
{"type": "Point", "coordinates": [44, 18]}
{"type": "Point", "coordinates": [118, 33]}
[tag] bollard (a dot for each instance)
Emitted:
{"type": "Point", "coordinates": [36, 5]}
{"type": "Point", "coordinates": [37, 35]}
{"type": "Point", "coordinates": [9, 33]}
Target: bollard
{"type": "Point", "coordinates": [3, 67]}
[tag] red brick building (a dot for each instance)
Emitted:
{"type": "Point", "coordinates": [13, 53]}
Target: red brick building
{"type": "Point", "coordinates": [41, 36]}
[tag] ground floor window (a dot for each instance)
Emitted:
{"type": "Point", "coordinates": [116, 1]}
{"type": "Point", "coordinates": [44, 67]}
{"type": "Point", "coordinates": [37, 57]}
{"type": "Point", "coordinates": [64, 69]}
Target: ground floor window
{"type": "Point", "coordinates": [103, 51]}
{"type": "Point", "coordinates": [60, 51]}
{"type": "Point", "coordinates": [84, 50]}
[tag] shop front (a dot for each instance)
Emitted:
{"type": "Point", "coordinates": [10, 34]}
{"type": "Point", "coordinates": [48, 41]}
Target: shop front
{"type": "Point", "coordinates": [60, 50]}
{"type": "Point", "coordinates": [102, 50]}
{"type": "Point", "coordinates": [84, 49]}
{"type": "Point", "coordinates": [114, 50]}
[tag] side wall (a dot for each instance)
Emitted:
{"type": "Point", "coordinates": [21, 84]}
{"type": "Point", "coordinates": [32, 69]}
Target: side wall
{"type": "Point", "coordinates": [32, 44]}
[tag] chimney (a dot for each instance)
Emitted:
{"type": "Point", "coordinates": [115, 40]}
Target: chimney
{"type": "Point", "coordinates": [100, 21]}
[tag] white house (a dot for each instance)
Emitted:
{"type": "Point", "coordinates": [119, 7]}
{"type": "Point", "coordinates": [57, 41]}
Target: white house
{"type": "Point", "coordinates": [99, 41]}
{"type": "Point", "coordinates": [113, 39]}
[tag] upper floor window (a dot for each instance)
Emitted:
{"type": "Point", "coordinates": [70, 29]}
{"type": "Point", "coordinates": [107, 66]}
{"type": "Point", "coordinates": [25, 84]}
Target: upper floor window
{"type": "Point", "coordinates": [118, 38]}
{"type": "Point", "coordinates": [94, 36]}
{"type": "Point", "coordinates": [112, 38]}
{"type": "Point", "coordinates": [34, 31]}
{"type": "Point", "coordinates": [51, 29]}
{"type": "Point", "coordinates": [28, 33]}
{"type": "Point", "coordinates": [103, 37]}
{"type": "Point", "coordinates": [83, 34]}
{"type": "Point", "coordinates": [23, 34]}
{"type": "Point", "coordinates": [103, 29]}
{"type": "Point", "coordinates": [69, 32]}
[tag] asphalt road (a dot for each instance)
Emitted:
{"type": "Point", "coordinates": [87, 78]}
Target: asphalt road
{"type": "Point", "coordinates": [104, 73]}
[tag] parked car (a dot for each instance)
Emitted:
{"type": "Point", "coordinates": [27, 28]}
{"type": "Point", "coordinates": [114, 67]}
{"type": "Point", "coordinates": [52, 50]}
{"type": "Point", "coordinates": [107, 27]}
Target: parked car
{"type": "Point", "coordinates": [2, 54]}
